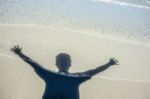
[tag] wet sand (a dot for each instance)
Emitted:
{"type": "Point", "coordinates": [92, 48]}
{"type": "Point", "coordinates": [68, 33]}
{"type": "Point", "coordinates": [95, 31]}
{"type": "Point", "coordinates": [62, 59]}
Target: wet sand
{"type": "Point", "coordinates": [128, 80]}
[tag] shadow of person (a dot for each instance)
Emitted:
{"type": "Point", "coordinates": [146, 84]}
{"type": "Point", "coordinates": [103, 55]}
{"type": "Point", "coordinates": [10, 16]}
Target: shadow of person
{"type": "Point", "coordinates": [61, 84]}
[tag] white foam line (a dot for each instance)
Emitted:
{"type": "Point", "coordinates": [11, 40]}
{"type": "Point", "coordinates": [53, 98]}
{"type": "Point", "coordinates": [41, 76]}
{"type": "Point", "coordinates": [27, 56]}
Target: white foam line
{"type": "Point", "coordinates": [49, 27]}
{"type": "Point", "coordinates": [103, 77]}
{"type": "Point", "coordinates": [123, 4]}
{"type": "Point", "coordinates": [8, 56]}
{"type": "Point", "coordinates": [89, 33]}
{"type": "Point", "coordinates": [125, 79]}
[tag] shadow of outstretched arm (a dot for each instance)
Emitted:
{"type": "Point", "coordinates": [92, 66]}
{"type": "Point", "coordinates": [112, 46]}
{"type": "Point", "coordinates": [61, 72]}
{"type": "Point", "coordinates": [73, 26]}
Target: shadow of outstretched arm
{"type": "Point", "coordinates": [37, 67]}
{"type": "Point", "coordinates": [102, 68]}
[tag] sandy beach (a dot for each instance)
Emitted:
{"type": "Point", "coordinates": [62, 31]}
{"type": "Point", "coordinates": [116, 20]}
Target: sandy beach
{"type": "Point", "coordinates": [129, 80]}
{"type": "Point", "coordinates": [90, 31]}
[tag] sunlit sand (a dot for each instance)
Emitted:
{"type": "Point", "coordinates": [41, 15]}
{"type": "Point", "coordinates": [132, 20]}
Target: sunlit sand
{"type": "Point", "coordinates": [129, 80]}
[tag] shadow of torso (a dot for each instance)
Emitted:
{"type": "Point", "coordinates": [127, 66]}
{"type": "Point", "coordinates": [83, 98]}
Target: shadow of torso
{"type": "Point", "coordinates": [60, 86]}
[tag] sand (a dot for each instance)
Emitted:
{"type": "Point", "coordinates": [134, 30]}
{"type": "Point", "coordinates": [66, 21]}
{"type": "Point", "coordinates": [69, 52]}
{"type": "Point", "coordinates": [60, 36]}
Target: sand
{"type": "Point", "coordinates": [129, 80]}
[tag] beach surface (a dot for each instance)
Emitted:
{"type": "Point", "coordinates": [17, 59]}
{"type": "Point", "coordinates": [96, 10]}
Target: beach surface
{"type": "Point", "coordinates": [128, 80]}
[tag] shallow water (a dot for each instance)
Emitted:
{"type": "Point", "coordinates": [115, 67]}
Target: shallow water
{"type": "Point", "coordinates": [124, 20]}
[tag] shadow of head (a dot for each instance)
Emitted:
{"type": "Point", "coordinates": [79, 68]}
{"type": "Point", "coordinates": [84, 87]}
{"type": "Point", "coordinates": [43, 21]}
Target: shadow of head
{"type": "Point", "coordinates": [63, 62]}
